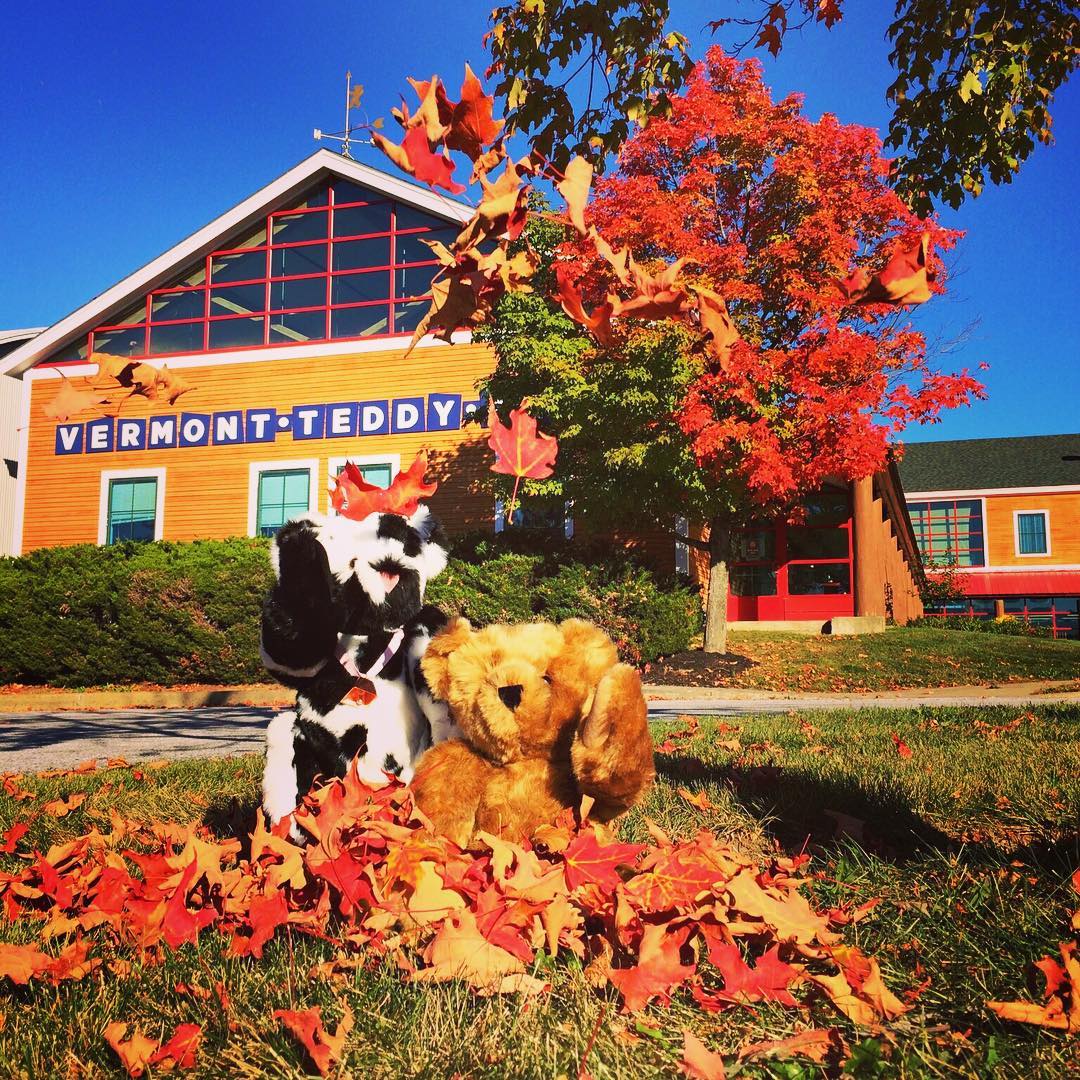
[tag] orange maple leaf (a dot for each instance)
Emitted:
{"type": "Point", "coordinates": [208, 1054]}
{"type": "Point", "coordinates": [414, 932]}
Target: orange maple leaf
{"type": "Point", "coordinates": [599, 322]}
{"type": "Point", "coordinates": [587, 860]}
{"type": "Point", "coordinates": [414, 155]}
{"type": "Point", "coordinates": [698, 1061]}
{"type": "Point", "coordinates": [353, 497]}
{"type": "Point", "coordinates": [70, 400]}
{"type": "Point", "coordinates": [905, 278]}
{"type": "Point", "coordinates": [21, 963]}
{"type": "Point", "coordinates": [135, 1053]}
{"type": "Point", "coordinates": [1061, 1009]}
{"type": "Point", "coordinates": [180, 1050]}
{"type": "Point", "coordinates": [307, 1027]}
{"type": "Point", "coordinates": [658, 970]}
{"type": "Point", "coordinates": [574, 188]}
{"type": "Point", "coordinates": [520, 449]}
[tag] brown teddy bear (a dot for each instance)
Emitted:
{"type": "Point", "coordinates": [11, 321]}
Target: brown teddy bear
{"type": "Point", "coordinates": [547, 714]}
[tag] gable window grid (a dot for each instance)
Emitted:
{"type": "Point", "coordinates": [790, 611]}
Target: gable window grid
{"type": "Point", "coordinates": [949, 531]}
{"type": "Point", "coordinates": [203, 330]}
{"type": "Point", "coordinates": [273, 493]}
{"type": "Point", "coordinates": [1031, 532]}
{"type": "Point", "coordinates": [131, 505]}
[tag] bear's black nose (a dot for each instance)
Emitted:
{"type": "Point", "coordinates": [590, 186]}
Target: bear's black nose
{"type": "Point", "coordinates": [510, 696]}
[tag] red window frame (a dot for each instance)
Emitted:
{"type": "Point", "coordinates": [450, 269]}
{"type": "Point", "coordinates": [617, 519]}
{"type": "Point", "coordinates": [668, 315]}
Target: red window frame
{"type": "Point", "coordinates": [785, 604]}
{"type": "Point", "coordinates": [924, 535]}
{"type": "Point", "coordinates": [1032, 607]}
{"type": "Point", "coordinates": [392, 302]}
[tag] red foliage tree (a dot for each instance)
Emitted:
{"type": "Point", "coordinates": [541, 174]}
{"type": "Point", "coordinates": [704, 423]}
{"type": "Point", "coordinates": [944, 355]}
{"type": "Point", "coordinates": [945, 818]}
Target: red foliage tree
{"type": "Point", "coordinates": [788, 220]}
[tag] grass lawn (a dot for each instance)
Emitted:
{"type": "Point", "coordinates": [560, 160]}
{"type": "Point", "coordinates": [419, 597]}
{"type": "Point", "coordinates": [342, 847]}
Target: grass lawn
{"type": "Point", "coordinates": [969, 844]}
{"type": "Point", "coordinates": [900, 657]}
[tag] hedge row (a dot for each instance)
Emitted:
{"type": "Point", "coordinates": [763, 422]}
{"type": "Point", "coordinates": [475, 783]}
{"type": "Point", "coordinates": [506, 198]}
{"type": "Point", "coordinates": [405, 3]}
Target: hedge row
{"type": "Point", "coordinates": [173, 613]}
{"type": "Point", "coordinates": [1007, 627]}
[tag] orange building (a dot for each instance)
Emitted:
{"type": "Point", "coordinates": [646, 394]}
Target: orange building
{"type": "Point", "coordinates": [1006, 514]}
{"type": "Point", "coordinates": [287, 318]}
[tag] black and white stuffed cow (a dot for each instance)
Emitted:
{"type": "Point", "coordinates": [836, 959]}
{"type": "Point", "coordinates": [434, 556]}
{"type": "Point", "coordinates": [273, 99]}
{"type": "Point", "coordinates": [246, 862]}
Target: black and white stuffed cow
{"type": "Point", "coordinates": [345, 625]}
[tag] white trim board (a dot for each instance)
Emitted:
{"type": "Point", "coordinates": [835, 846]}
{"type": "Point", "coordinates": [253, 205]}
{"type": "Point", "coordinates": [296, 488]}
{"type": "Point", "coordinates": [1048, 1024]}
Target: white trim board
{"type": "Point", "coordinates": [204, 240]}
{"type": "Point", "coordinates": [977, 493]}
{"type": "Point", "coordinates": [259, 354]}
{"type": "Point", "coordinates": [257, 467]}
{"type": "Point", "coordinates": [108, 475]}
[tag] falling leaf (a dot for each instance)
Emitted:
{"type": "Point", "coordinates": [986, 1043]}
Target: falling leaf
{"type": "Point", "coordinates": [414, 156]}
{"type": "Point", "coordinates": [307, 1026]}
{"type": "Point", "coordinates": [574, 188]}
{"type": "Point", "coordinates": [905, 279]}
{"type": "Point", "coordinates": [717, 322]}
{"type": "Point", "coordinates": [520, 449]}
{"type": "Point", "coordinates": [70, 400]}
{"type": "Point", "coordinates": [356, 95]}
{"type": "Point", "coordinates": [698, 1062]}
{"type": "Point", "coordinates": [599, 322]}
{"type": "Point", "coordinates": [353, 497]}
{"type": "Point", "coordinates": [135, 1053]}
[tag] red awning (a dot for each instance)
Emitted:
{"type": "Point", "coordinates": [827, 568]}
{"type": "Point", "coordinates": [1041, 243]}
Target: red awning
{"type": "Point", "coordinates": [1024, 583]}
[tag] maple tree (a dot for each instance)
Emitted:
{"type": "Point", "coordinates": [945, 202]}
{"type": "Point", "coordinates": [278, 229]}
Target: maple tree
{"type": "Point", "coordinates": [763, 261]}
{"type": "Point", "coordinates": [975, 79]}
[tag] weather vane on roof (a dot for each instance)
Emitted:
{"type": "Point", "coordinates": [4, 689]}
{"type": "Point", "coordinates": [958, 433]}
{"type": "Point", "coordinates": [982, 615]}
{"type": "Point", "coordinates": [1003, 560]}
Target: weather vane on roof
{"type": "Point", "coordinates": [353, 97]}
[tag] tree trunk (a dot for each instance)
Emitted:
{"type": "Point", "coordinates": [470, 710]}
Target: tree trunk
{"type": "Point", "coordinates": [716, 597]}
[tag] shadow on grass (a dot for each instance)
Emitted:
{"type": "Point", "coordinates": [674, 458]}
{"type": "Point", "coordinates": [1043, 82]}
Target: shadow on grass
{"type": "Point", "coordinates": [230, 817]}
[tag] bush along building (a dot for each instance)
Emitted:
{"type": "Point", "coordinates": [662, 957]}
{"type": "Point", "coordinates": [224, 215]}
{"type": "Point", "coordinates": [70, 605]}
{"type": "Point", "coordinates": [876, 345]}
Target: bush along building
{"type": "Point", "coordinates": [279, 331]}
{"type": "Point", "coordinates": [1005, 514]}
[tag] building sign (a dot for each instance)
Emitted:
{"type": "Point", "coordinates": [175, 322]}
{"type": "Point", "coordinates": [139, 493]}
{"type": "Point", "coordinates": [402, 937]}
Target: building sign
{"type": "Point", "coordinates": [336, 420]}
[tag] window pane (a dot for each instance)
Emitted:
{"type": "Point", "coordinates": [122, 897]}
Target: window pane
{"type": "Point", "coordinates": [271, 487]}
{"type": "Point", "coordinates": [178, 305]}
{"type": "Point", "coordinates": [409, 218]}
{"type": "Point", "coordinates": [360, 321]}
{"type": "Point", "coordinates": [121, 497]}
{"type": "Point", "coordinates": [247, 266]}
{"type": "Point", "coordinates": [237, 299]}
{"type": "Point", "coordinates": [132, 509]}
{"type": "Point", "coordinates": [256, 237]}
{"type": "Point", "coordinates": [415, 281]}
{"type": "Point", "coordinates": [411, 247]}
{"type": "Point", "coordinates": [133, 315]}
{"type": "Point", "coordinates": [297, 293]}
{"type": "Point", "coordinates": [360, 220]}
{"type": "Point", "coordinates": [1014, 605]}
{"type": "Point", "coordinates": [282, 494]}
{"type": "Point", "coordinates": [379, 475]}
{"type": "Point", "coordinates": [144, 496]}
{"type": "Point", "coordinates": [358, 254]}
{"type": "Point", "coordinates": [232, 333]}
{"type": "Point", "coordinates": [292, 228]}
{"type": "Point", "coordinates": [355, 288]}
{"type": "Point", "coordinates": [817, 543]}
{"type": "Point", "coordinates": [753, 581]}
{"type": "Point", "coordinates": [79, 349]}
{"type": "Point", "coordinates": [296, 487]}
{"type": "Point", "coordinates": [177, 337]}
{"type": "Point", "coordinates": [753, 545]}
{"type": "Point", "coordinates": [286, 262]}
{"type": "Point", "coordinates": [1066, 603]}
{"type": "Point", "coordinates": [345, 191]}
{"type": "Point", "coordinates": [810, 579]}
{"type": "Point", "coordinates": [407, 316]}
{"type": "Point", "coordinates": [298, 326]}
{"type": "Point", "coordinates": [1032, 533]}
{"type": "Point", "coordinates": [120, 342]}
{"type": "Point", "coordinates": [195, 275]}
{"type": "Point", "coordinates": [317, 197]}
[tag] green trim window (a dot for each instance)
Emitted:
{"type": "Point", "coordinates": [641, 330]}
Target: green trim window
{"type": "Point", "coordinates": [132, 509]}
{"type": "Point", "coordinates": [1031, 533]}
{"type": "Point", "coordinates": [378, 473]}
{"type": "Point", "coordinates": [283, 493]}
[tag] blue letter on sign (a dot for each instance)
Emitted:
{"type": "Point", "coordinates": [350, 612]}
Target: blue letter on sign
{"type": "Point", "coordinates": [443, 412]}
{"type": "Point", "coordinates": [374, 418]}
{"type": "Point", "coordinates": [69, 438]}
{"type": "Point", "coordinates": [341, 420]}
{"type": "Point", "coordinates": [261, 425]}
{"type": "Point", "coordinates": [130, 434]}
{"type": "Point", "coordinates": [408, 415]}
{"type": "Point", "coordinates": [194, 429]}
{"type": "Point", "coordinates": [162, 431]}
{"type": "Point", "coordinates": [307, 421]}
{"type": "Point", "coordinates": [228, 427]}
{"type": "Point", "coordinates": [99, 436]}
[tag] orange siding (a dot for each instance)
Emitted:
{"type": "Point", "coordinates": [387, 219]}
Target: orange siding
{"type": "Point", "coordinates": [206, 488]}
{"type": "Point", "coordinates": [1064, 523]}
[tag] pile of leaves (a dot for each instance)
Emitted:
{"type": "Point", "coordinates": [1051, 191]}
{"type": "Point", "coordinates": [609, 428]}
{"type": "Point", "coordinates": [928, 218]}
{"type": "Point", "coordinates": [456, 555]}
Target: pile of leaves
{"type": "Point", "coordinates": [653, 920]}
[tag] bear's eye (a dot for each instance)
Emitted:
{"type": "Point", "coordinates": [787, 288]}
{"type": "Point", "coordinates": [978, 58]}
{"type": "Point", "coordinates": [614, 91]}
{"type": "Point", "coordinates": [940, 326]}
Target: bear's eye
{"type": "Point", "coordinates": [547, 679]}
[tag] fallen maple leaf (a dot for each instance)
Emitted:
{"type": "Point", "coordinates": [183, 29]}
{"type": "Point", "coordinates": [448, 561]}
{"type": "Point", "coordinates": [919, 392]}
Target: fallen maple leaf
{"type": "Point", "coordinates": [699, 1062]}
{"type": "Point", "coordinates": [586, 860]}
{"type": "Point", "coordinates": [658, 970]}
{"type": "Point", "coordinates": [13, 836]}
{"type": "Point", "coordinates": [307, 1027]}
{"type": "Point", "coordinates": [59, 808]}
{"type": "Point", "coordinates": [180, 1050]}
{"type": "Point", "coordinates": [1061, 1009]}
{"type": "Point", "coordinates": [460, 951]}
{"type": "Point", "coordinates": [21, 963]}
{"type": "Point", "coordinates": [817, 1044]}
{"type": "Point", "coordinates": [135, 1053]}
{"type": "Point", "coordinates": [902, 747]}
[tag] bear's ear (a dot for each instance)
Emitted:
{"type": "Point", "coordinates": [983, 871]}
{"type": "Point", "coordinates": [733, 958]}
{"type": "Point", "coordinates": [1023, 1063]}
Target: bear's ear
{"type": "Point", "coordinates": [435, 663]}
{"type": "Point", "coordinates": [588, 647]}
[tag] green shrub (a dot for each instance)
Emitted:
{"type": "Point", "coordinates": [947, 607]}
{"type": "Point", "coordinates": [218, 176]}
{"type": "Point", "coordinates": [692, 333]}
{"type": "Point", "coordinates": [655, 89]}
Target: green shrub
{"type": "Point", "coordinates": [172, 613]}
{"type": "Point", "coordinates": [1008, 627]}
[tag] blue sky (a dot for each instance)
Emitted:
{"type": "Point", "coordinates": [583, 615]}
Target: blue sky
{"type": "Point", "coordinates": [124, 127]}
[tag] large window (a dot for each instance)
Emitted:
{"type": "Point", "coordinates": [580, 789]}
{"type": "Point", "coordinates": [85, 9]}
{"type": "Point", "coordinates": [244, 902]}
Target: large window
{"type": "Point", "coordinates": [809, 558]}
{"type": "Point", "coordinates": [341, 262]}
{"type": "Point", "coordinates": [278, 491]}
{"type": "Point", "coordinates": [131, 505]}
{"type": "Point", "coordinates": [1032, 534]}
{"type": "Point", "coordinates": [1059, 614]}
{"type": "Point", "coordinates": [949, 531]}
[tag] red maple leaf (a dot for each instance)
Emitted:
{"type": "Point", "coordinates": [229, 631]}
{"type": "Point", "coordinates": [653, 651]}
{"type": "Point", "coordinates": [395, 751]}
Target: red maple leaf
{"type": "Point", "coordinates": [520, 449]}
{"type": "Point", "coordinates": [181, 924]}
{"type": "Point", "coordinates": [180, 1049]}
{"type": "Point", "coordinates": [768, 980]}
{"type": "Point", "coordinates": [587, 860]}
{"type": "Point", "coordinates": [902, 747]}
{"type": "Point", "coordinates": [658, 970]}
{"type": "Point", "coordinates": [415, 156]}
{"type": "Point", "coordinates": [599, 322]}
{"type": "Point", "coordinates": [307, 1026]}
{"type": "Point", "coordinates": [13, 836]}
{"type": "Point", "coordinates": [353, 497]}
